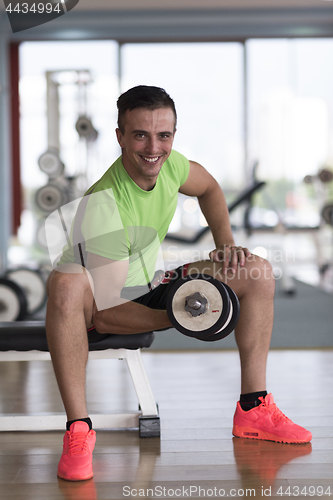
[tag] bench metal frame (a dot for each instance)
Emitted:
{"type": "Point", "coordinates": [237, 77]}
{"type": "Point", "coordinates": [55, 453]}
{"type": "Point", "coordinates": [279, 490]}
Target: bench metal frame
{"type": "Point", "coordinates": [147, 419]}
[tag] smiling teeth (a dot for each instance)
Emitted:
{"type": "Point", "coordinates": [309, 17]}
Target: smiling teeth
{"type": "Point", "coordinates": [151, 160]}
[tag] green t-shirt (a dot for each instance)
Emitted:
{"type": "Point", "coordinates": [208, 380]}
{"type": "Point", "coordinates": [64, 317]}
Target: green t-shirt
{"type": "Point", "coordinates": [122, 221]}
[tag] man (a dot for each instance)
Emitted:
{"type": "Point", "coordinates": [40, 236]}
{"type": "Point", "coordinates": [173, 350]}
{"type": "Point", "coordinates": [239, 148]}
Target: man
{"type": "Point", "coordinates": [137, 198]}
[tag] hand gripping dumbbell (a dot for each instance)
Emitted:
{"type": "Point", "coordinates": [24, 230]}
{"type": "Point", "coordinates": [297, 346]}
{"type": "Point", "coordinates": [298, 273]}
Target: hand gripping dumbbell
{"type": "Point", "coordinates": [202, 307]}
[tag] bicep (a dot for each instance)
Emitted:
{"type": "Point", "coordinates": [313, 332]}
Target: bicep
{"type": "Point", "coordinates": [109, 277]}
{"type": "Point", "coordinates": [199, 180]}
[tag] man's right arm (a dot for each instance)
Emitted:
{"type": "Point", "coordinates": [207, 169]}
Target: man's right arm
{"type": "Point", "coordinates": [113, 314]}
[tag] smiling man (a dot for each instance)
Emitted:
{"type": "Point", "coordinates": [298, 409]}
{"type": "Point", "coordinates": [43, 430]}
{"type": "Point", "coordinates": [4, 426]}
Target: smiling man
{"type": "Point", "coordinates": [126, 217]}
{"type": "Point", "coordinates": [146, 138]}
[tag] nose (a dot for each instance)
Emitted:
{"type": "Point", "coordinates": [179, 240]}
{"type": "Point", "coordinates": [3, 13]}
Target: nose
{"type": "Point", "coordinates": [152, 146]}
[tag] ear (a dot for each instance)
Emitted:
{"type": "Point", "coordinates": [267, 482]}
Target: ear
{"type": "Point", "coordinates": [119, 137]}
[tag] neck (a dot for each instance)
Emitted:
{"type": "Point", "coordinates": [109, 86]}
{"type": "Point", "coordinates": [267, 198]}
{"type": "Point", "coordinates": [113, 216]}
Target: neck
{"type": "Point", "coordinates": [146, 183]}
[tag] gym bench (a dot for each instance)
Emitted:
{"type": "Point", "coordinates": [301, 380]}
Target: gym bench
{"type": "Point", "coordinates": [26, 341]}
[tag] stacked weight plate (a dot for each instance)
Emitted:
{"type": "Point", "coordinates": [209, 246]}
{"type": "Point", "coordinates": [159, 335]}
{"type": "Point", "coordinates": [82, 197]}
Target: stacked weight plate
{"type": "Point", "coordinates": [203, 307]}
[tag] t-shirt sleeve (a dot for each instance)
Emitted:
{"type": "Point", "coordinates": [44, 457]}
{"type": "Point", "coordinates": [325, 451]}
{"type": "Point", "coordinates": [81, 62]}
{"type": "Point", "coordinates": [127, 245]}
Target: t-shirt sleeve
{"type": "Point", "coordinates": [182, 166]}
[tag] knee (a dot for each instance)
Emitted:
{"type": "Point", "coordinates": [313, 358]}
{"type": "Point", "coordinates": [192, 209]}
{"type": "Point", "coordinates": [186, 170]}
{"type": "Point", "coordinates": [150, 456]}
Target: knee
{"type": "Point", "coordinates": [260, 275]}
{"type": "Point", "coordinates": [67, 289]}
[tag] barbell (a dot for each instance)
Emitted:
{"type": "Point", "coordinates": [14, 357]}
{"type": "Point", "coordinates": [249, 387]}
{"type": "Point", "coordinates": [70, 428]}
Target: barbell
{"type": "Point", "coordinates": [202, 307]}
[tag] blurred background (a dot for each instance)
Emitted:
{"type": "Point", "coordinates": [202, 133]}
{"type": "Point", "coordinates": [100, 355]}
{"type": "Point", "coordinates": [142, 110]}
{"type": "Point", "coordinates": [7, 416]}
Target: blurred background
{"type": "Point", "coordinates": [253, 92]}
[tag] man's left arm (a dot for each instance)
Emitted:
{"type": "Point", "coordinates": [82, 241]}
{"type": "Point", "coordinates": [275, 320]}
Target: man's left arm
{"type": "Point", "coordinates": [214, 207]}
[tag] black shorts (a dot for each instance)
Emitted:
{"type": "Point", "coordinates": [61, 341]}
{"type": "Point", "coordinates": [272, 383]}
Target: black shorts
{"type": "Point", "coordinates": [155, 298]}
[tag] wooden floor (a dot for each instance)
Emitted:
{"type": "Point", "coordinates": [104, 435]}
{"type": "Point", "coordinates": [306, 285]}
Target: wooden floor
{"type": "Point", "coordinates": [196, 457]}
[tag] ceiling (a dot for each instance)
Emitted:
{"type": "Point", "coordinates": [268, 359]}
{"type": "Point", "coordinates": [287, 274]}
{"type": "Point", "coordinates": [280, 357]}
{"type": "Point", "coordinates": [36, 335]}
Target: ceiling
{"type": "Point", "coordinates": [180, 20]}
{"type": "Point", "coordinates": [195, 4]}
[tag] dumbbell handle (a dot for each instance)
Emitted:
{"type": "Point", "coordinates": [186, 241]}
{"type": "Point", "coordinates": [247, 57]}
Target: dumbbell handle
{"type": "Point", "coordinates": [194, 304]}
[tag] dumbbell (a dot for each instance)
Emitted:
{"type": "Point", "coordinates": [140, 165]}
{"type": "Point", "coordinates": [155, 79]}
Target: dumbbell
{"type": "Point", "coordinates": [202, 307]}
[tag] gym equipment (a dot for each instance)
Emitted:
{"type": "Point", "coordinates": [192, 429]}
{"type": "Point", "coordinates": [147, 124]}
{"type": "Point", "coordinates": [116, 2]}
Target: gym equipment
{"type": "Point", "coordinates": [50, 163]}
{"type": "Point", "coordinates": [309, 179]}
{"type": "Point", "coordinates": [26, 341]}
{"type": "Point", "coordinates": [327, 213]}
{"type": "Point", "coordinates": [322, 185]}
{"type": "Point", "coordinates": [13, 302]}
{"type": "Point", "coordinates": [202, 307]}
{"type": "Point", "coordinates": [33, 284]}
{"type": "Point", "coordinates": [50, 197]}
{"type": "Point", "coordinates": [85, 128]}
{"type": "Point", "coordinates": [244, 196]}
{"type": "Point", "coordinates": [231, 324]}
{"type": "Point", "coordinates": [62, 188]}
{"type": "Point", "coordinates": [325, 175]}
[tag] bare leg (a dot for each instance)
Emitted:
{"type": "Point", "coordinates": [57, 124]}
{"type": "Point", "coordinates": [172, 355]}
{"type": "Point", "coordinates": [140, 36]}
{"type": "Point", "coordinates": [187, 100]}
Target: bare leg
{"type": "Point", "coordinates": [254, 285]}
{"type": "Point", "coordinates": [69, 312]}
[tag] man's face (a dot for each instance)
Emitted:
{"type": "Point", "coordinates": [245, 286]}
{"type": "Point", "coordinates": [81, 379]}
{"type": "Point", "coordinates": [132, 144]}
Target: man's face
{"type": "Point", "coordinates": [146, 143]}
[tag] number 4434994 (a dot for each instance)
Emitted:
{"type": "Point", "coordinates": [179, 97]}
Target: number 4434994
{"type": "Point", "coordinates": [311, 491]}
{"type": "Point", "coordinates": [36, 8]}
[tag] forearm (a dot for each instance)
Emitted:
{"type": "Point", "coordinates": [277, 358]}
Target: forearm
{"type": "Point", "coordinates": [130, 317]}
{"type": "Point", "coordinates": [214, 207]}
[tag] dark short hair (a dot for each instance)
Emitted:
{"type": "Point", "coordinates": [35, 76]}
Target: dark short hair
{"type": "Point", "coordinates": [143, 96]}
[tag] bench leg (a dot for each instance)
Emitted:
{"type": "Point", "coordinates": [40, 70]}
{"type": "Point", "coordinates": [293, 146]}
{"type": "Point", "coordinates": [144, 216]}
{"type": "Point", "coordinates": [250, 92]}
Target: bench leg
{"type": "Point", "coordinates": [149, 420]}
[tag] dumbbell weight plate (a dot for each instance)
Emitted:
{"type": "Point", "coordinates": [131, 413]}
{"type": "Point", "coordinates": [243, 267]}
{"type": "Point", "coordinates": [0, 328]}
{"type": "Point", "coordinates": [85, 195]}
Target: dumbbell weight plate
{"type": "Point", "coordinates": [33, 284]}
{"type": "Point", "coordinates": [13, 303]}
{"type": "Point", "coordinates": [85, 128]}
{"type": "Point", "coordinates": [308, 179]}
{"type": "Point", "coordinates": [50, 198]}
{"type": "Point", "coordinates": [232, 320]}
{"type": "Point", "coordinates": [325, 175]}
{"type": "Point", "coordinates": [218, 306]}
{"type": "Point", "coordinates": [327, 214]}
{"type": "Point", "coordinates": [50, 163]}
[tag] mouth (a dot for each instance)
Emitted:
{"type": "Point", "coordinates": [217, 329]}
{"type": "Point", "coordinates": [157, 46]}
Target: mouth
{"type": "Point", "coordinates": [151, 159]}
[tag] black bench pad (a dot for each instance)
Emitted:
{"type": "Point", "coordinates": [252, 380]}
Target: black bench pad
{"type": "Point", "coordinates": [31, 336]}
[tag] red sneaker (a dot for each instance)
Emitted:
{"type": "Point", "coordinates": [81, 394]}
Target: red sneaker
{"type": "Point", "coordinates": [76, 459]}
{"type": "Point", "coordinates": [267, 422]}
